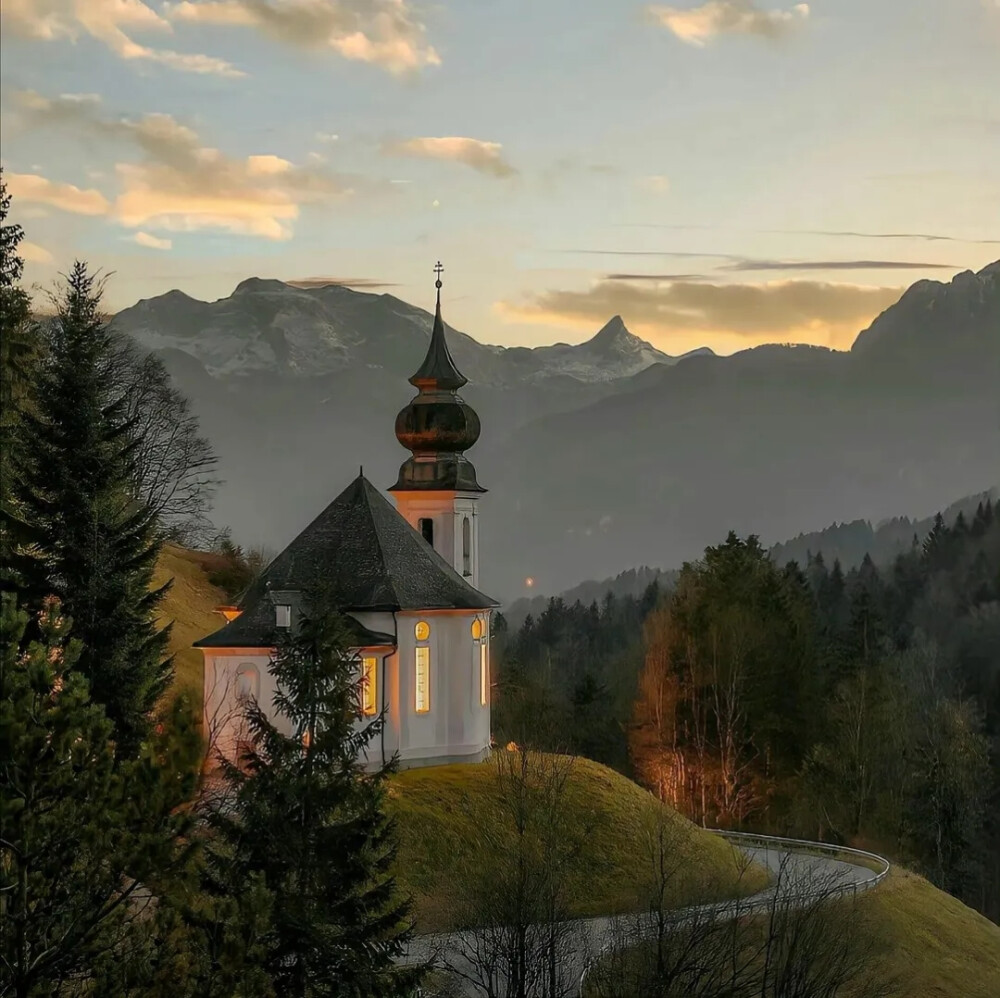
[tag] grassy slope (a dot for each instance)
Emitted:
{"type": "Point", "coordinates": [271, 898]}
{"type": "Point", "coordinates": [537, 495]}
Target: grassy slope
{"type": "Point", "coordinates": [436, 808]}
{"type": "Point", "coordinates": [936, 946]}
{"type": "Point", "coordinates": [189, 605]}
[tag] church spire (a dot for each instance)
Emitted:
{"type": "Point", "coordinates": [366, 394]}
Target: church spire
{"type": "Point", "coordinates": [438, 425]}
{"type": "Point", "coordinates": [438, 371]}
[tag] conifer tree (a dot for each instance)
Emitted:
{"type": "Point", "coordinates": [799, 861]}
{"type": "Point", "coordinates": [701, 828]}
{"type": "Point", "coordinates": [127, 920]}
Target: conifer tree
{"type": "Point", "coordinates": [18, 354]}
{"type": "Point", "coordinates": [94, 542]}
{"type": "Point", "coordinates": [309, 822]}
{"type": "Point", "coordinates": [83, 835]}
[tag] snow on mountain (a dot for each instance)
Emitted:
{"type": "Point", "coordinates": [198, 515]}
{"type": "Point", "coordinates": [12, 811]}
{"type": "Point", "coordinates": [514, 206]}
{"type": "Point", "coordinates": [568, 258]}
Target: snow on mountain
{"type": "Point", "coordinates": [269, 327]}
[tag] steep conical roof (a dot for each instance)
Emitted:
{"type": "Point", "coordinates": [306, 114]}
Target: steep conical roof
{"type": "Point", "coordinates": [366, 556]}
{"type": "Point", "coordinates": [438, 371]}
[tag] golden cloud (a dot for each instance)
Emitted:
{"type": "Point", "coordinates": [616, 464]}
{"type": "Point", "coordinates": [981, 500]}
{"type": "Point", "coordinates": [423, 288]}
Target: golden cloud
{"type": "Point", "coordinates": [32, 188]}
{"type": "Point", "coordinates": [384, 33]}
{"type": "Point", "coordinates": [181, 185]}
{"type": "Point", "coordinates": [33, 253]}
{"type": "Point", "coordinates": [485, 157]}
{"type": "Point", "coordinates": [106, 21]}
{"type": "Point", "coordinates": [806, 311]}
{"type": "Point", "coordinates": [151, 242]}
{"type": "Point", "coordinates": [699, 25]}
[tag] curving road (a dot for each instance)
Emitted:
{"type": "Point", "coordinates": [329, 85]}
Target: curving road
{"type": "Point", "coordinates": [802, 873]}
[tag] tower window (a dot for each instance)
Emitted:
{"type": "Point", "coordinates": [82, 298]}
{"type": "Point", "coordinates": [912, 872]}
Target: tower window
{"type": "Point", "coordinates": [427, 529]}
{"type": "Point", "coordinates": [422, 699]}
{"type": "Point", "coordinates": [466, 546]}
{"type": "Point", "coordinates": [283, 615]}
{"type": "Point", "coordinates": [484, 674]}
{"type": "Point", "coordinates": [368, 680]}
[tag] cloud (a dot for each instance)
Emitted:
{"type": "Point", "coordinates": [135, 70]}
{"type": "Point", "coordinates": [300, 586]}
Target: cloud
{"type": "Point", "coordinates": [482, 156]}
{"type": "Point", "coordinates": [925, 236]}
{"type": "Point", "coordinates": [34, 189]}
{"type": "Point", "coordinates": [656, 184]}
{"type": "Point", "coordinates": [180, 185]}
{"type": "Point", "coordinates": [151, 242]}
{"type": "Point", "coordinates": [33, 253]}
{"type": "Point", "coordinates": [808, 310]}
{"type": "Point", "coordinates": [341, 282]}
{"type": "Point", "coordinates": [654, 278]}
{"type": "Point", "coordinates": [106, 21]}
{"type": "Point", "coordinates": [762, 265]}
{"type": "Point", "coordinates": [327, 137]}
{"type": "Point", "coordinates": [699, 25]}
{"type": "Point", "coordinates": [384, 33]}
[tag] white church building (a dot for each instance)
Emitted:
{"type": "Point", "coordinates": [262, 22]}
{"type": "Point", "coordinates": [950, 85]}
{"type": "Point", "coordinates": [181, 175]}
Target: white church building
{"type": "Point", "coordinates": [406, 576]}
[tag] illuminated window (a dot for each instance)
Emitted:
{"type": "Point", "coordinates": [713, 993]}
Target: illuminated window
{"type": "Point", "coordinates": [427, 529]}
{"type": "Point", "coordinates": [477, 629]}
{"type": "Point", "coordinates": [466, 546]}
{"type": "Point", "coordinates": [368, 695]}
{"type": "Point", "coordinates": [484, 675]}
{"type": "Point", "coordinates": [422, 699]}
{"type": "Point", "coordinates": [422, 630]}
{"type": "Point", "coordinates": [283, 615]}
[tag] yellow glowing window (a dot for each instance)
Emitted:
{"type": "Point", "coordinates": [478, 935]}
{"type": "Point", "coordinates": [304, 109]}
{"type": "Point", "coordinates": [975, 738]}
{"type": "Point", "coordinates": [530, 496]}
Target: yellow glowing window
{"type": "Point", "coordinates": [422, 698]}
{"type": "Point", "coordinates": [422, 630]}
{"type": "Point", "coordinates": [484, 675]}
{"type": "Point", "coordinates": [368, 692]}
{"type": "Point", "coordinates": [477, 629]}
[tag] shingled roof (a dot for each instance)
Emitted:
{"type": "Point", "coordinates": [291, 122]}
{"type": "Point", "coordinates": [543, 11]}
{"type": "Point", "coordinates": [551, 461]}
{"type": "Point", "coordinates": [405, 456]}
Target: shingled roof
{"type": "Point", "coordinates": [366, 556]}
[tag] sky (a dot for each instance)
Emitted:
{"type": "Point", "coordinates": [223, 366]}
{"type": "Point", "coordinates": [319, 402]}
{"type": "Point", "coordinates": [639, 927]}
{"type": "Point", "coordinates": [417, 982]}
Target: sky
{"type": "Point", "coordinates": [718, 172]}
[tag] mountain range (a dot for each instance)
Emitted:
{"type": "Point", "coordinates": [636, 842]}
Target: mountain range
{"type": "Point", "coordinates": [597, 456]}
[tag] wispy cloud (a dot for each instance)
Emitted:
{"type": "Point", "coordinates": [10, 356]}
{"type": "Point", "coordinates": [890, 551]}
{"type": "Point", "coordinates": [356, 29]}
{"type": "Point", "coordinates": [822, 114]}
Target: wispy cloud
{"type": "Point", "coordinates": [807, 310]}
{"type": "Point", "coordinates": [656, 184]}
{"type": "Point", "coordinates": [180, 184]}
{"type": "Point", "coordinates": [700, 25]}
{"type": "Point", "coordinates": [385, 33]}
{"type": "Point", "coordinates": [485, 157]}
{"type": "Point", "coordinates": [34, 189]}
{"type": "Point", "coordinates": [925, 236]}
{"type": "Point", "coordinates": [33, 253]}
{"type": "Point", "coordinates": [367, 283]}
{"type": "Point", "coordinates": [112, 22]}
{"type": "Point", "coordinates": [151, 242]}
{"type": "Point", "coordinates": [764, 265]}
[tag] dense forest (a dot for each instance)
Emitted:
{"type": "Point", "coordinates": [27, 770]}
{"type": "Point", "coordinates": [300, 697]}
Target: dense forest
{"type": "Point", "coordinates": [859, 706]}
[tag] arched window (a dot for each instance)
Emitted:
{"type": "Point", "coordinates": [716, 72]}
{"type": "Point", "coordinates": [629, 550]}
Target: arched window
{"type": "Point", "coordinates": [426, 525]}
{"type": "Point", "coordinates": [422, 668]}
{"type": "Point", "coordinates": [369, 671]}
{"type": "Point", "coordinates": [247, 682]}
{"type": "Point", "coordinates": [466, 546]}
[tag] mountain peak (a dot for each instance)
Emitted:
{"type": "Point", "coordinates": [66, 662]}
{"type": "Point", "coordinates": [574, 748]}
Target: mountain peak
{"type": "Point", "coordinates": [256, 285]}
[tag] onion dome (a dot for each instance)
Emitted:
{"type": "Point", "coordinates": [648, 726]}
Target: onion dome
{"type": "Point", "coordinates": [438, 425]}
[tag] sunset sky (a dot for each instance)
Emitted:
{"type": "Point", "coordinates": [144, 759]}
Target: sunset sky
{"type": "Point", "coordinates": [720, 173]}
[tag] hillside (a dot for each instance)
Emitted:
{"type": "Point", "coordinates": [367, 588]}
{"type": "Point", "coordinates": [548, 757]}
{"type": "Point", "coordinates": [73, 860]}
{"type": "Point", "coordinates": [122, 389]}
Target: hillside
{"type": "Point", "coordinates": [935, 947]}
{"type": "Point", "coordinates": [189, 607]}
{"type": "Point", "coordinates": [440, 812]}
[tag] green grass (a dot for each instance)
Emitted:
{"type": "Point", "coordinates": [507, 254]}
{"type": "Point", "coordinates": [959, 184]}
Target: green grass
{"type": "Point", "coordinates": [189, 606]}
{"type": "Point", "coordinates": [935, 947]}
{"type": "Point", "coordinates": [439, 811]}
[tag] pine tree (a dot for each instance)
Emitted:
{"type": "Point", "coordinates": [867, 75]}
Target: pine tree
{"type": "Point", "coordinates": [83, 835]}
{"type": "Point", "coordinates": [308, 822]}
{"type": "Point", "coordinates": [18, 357]}
{"type": "Point", "coordinates": [95, 544]}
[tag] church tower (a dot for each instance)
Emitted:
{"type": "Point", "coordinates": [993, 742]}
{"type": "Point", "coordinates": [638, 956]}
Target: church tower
{"type": "Point", "coordinates": [437, 491]}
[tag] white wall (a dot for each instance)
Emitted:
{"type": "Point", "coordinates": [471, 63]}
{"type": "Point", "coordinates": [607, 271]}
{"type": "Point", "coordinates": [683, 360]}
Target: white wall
{"type": "Point", "coordinates": [456, 727]}
{"type": "Point", "coordinates": [447, 510]}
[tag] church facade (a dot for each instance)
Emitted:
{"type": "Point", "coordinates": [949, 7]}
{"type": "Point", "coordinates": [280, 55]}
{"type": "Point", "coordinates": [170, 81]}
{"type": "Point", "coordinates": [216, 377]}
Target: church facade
{"type": "Point", "coordinates": [405, 576]}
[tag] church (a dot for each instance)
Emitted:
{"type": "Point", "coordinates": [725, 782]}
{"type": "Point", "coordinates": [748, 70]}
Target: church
{"type": "Point", "coordinates": [405, 576]}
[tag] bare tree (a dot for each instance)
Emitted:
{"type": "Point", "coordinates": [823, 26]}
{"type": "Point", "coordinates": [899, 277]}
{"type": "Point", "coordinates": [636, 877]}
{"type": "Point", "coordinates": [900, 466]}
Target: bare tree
{"type": "Point", "coordinates": [175, 468]}
{"type": "Point", "coordinates": [512, 891]}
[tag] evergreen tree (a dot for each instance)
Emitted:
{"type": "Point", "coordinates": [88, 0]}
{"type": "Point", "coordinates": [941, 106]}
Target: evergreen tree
{"type": "Point", "coordinates": [18, 356]}
{"type": "Point", "coordinates": [95, 543]}
{"type": "Point", "coordinates": [308, 823]}
{"type": "Point", "coordinates": [84, 837]}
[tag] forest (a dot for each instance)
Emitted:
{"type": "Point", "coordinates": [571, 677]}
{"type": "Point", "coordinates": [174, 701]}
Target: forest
{"type": "Point", "coordinates": [857, 707]}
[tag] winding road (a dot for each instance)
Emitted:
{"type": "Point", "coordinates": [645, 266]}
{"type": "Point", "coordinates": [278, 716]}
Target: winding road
{"type": "Point", "coordinates": [802, 873]}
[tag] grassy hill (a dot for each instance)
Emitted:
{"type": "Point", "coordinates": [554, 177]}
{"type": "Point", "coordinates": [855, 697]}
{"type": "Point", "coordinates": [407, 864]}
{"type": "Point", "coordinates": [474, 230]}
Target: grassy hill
{"type": "Point", "coordinates": [189, 606]}
{"type": "Point", "coordinates": [935, 947]}
{"type": "Point", "coordinates": [440, 812]}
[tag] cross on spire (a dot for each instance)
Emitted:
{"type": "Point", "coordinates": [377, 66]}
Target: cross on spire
{"type": "Point", "coordinates": [438, 270]}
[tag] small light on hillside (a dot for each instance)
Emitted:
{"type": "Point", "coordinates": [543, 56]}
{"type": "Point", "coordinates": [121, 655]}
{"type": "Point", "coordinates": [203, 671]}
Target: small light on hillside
{"type": "Point", "coordinates": [529, 581]}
